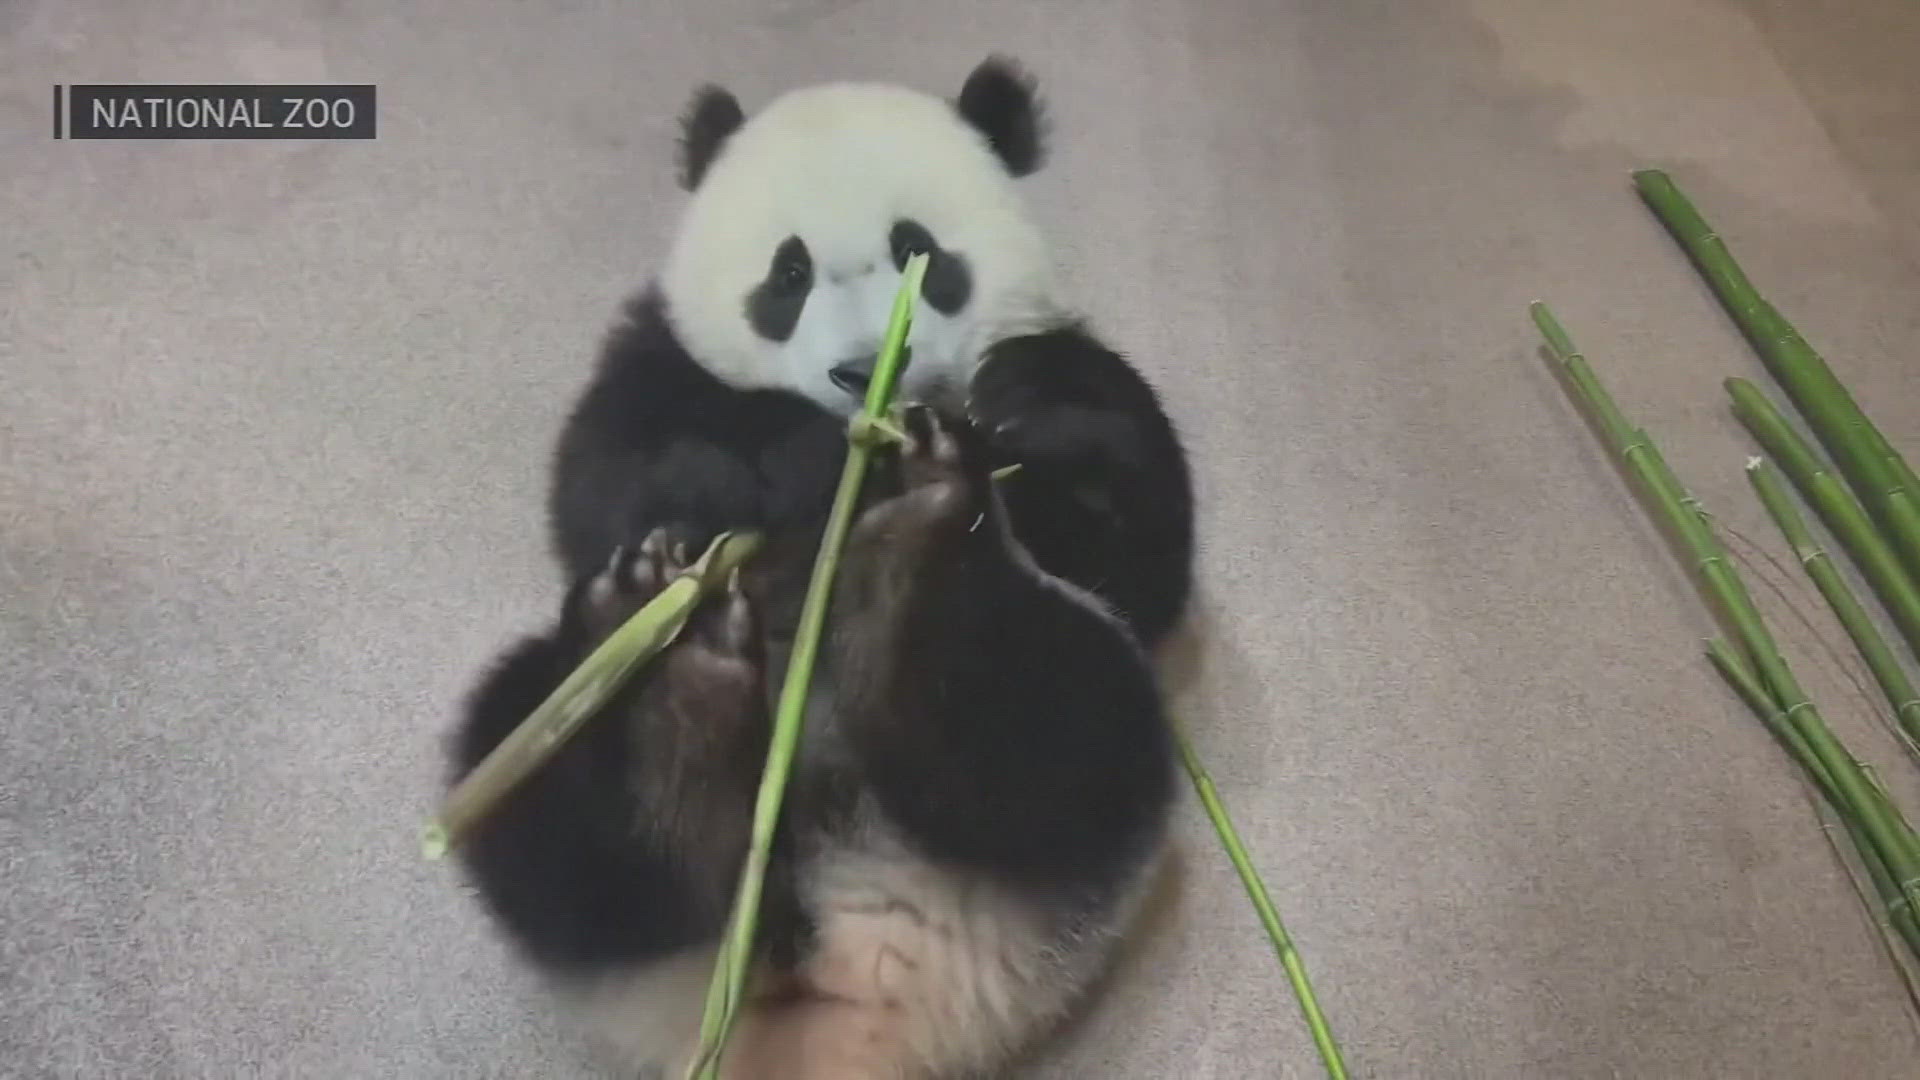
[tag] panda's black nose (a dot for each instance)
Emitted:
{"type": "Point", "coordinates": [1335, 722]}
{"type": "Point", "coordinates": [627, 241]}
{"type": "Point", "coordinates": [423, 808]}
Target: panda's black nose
{"type": "Point", "coordinates": [853, 376]}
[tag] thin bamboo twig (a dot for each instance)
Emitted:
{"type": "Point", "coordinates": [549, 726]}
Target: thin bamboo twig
{"type": "Point", "coordinates": [1296, 968]}
{"type": "Point", "coordinates": [1843, 516]}
{"type": "Point", "coordinates": [730, 971]}
{"type": "Point", "coordinates": [1874, 469]}
{"type": "Point", "coordinates": [1879, 820]}
{"type": "Point", "coordinates": [582, 693]}
{"type": "Point", "coordinates": [1879, 656]}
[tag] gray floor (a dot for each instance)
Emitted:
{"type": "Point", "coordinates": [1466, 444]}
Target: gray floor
{"type": "Point", "coordinates": [273, 418]}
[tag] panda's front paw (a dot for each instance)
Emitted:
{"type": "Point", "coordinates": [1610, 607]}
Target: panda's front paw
{"type": "Point", "coordinates": [1031, 421]}
{"type": "Point", "coordinates": [942, 470]}
{"type": "Point", "coordinates": [933, 452]}
{"type": "Point", "coordinates": [944, 458]}
{"type": "Point", "coordinates": [723, 649]}
{"type": "Point", "coordinates": [632, 577]}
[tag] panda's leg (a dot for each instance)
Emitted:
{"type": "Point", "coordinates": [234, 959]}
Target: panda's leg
{"type": "Point", "coordinates": [621, 849]}
{"type": "Point", "coordinates": [1011, 737]}
{"type": "Point", "coordinates": [1005, 718]}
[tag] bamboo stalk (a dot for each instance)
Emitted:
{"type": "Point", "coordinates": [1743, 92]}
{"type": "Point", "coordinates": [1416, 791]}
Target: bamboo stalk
{"type": "Point", "coordinates": [1750, 690]}
{"type": "Point", "coordinates": [1893, 912]}
{"type": "Point", "coordinates": [1837, 509]}
{"type": "Point", "coordinates": [582, 694]}
{"type": "Point", "coordinates": [728, 985]}
{"type": "Point", "coordinates": [1641, 459]}
{"type": "Point", "coordinates": [1879, 656]}
{"type": "Point", "coordinates": [1747, 685]}
{"type": "Point", "coordinates": [1296, 968]}
{"type": "Point", "coordinates": [1879, 821]}
{"type": "Point", "coordinates": [1873, 468]}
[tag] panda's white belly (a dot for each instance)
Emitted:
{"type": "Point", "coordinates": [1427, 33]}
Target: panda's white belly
{"type": "Point", "coordinates": [913, 970]}
{"type": "Point", "coordinates": [943, 970]}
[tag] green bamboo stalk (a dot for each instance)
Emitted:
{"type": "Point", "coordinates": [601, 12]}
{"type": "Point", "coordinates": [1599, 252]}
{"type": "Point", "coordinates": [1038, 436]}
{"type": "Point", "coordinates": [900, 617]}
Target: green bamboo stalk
{"type": "Point", "coordinates": [1290, 959]}
{"type": "Point", "coordinates": [728, 986]}
{"type": "Point", "coordinates": [1750, 690]}
{"type": "Point", "coordinates": [1842, 515]}
{"type": "Point", "coordinates": [1642, 459]}
{"type": "Point", "coordinates": [1870, 464]}
{"type": "Point", "coordinates": [1881, 823]}
{"type": "Point", "coordinates": [1893, 912]}
{"type": "Point", "coordinates": [1879, 656]}
{"type": "Point", "coordinates": [1747, 685]}
{"type": "Point", "coordinates": [582, 694]}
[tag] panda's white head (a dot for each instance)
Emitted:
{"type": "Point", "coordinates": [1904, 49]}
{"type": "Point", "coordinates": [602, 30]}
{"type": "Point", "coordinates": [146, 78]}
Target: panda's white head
{"type": "Point", "coordinates": [789, 256]}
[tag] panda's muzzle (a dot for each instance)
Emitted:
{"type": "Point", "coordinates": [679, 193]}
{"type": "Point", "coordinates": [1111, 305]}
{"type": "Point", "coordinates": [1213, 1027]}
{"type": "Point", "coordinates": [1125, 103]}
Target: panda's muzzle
{"type": "Point", "coordinates": [853, 376]}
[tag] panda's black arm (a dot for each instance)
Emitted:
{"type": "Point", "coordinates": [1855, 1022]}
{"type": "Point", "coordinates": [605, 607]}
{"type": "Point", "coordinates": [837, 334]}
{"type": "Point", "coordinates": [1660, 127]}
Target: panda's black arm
{"type": "Point", "coordinates": [1104, 495]}
{"type": "Point", "coordinates": [656, 440]}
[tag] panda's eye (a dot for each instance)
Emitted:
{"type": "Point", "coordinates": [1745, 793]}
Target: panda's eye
{"type": "Point", "coordinates": [949, 281]}
{"type": "Point", "coordinates": [910, 238]}
{"type": "Point", "coordinates": [792, 270]}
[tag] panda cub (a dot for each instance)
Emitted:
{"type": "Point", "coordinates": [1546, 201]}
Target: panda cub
{"type": "Point", "coordinates": [986, 772]}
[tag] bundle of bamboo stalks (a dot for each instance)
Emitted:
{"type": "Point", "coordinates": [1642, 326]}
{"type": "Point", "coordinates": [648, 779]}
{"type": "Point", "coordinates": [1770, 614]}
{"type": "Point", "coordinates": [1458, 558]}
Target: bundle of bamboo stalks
{"type": "Point", "coordinates": [1868, 503]}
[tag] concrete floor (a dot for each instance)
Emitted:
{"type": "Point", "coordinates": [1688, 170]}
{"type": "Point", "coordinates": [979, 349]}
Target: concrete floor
{"type": "Point", "coordinates": [273, 421]}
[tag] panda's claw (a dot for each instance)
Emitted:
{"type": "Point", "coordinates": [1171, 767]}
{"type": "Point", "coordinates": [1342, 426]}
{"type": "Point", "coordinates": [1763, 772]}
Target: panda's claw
{"type": "Point", "coordinates": [933, 452]}
{"type": "Point", "coordinates": [605, 592]}
{"type": "Point", "coordinates": [666, 556]}
{"type": "Point", "coordinates": [633, 576]}
{"type": "Point", "coordinates": [654, 547]}
{"type": "Point", "coordinates": [736, 630]}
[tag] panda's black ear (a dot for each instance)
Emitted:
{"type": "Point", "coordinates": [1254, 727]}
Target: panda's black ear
{"type": "Point", "coordinates": [1000, 100]}
{"type": "Point", "coordinates": [709, 119]}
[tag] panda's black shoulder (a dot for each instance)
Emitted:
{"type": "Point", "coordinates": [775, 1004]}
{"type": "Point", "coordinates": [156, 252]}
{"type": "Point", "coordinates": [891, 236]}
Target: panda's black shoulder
{"type": "Point", "coordinates": [1070, 361]}
{"type": "Point", "coordinates": [650, 392]}
{"type": "Point", "coordinates": [657, 438]}
{"type": "Point", "coordinates": [644, 372]}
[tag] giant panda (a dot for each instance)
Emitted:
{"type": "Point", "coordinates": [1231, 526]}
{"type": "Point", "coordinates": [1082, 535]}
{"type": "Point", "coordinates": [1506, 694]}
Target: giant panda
{"type": "Point", "coordinates": [982, 791]}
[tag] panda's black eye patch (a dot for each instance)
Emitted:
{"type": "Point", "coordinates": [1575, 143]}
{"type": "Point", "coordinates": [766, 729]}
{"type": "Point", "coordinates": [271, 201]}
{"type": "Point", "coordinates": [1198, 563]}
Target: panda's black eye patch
{"type": "Point", "coordinates": [773, 307]}
{"type": "Point", "coordinates": [910, 238]}
{"type": "Point", "coordinates": [949, 284]}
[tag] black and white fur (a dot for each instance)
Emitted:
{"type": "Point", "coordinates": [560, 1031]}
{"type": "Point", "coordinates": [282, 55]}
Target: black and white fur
{"type": "Point", "coordinates": [982, 788]}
